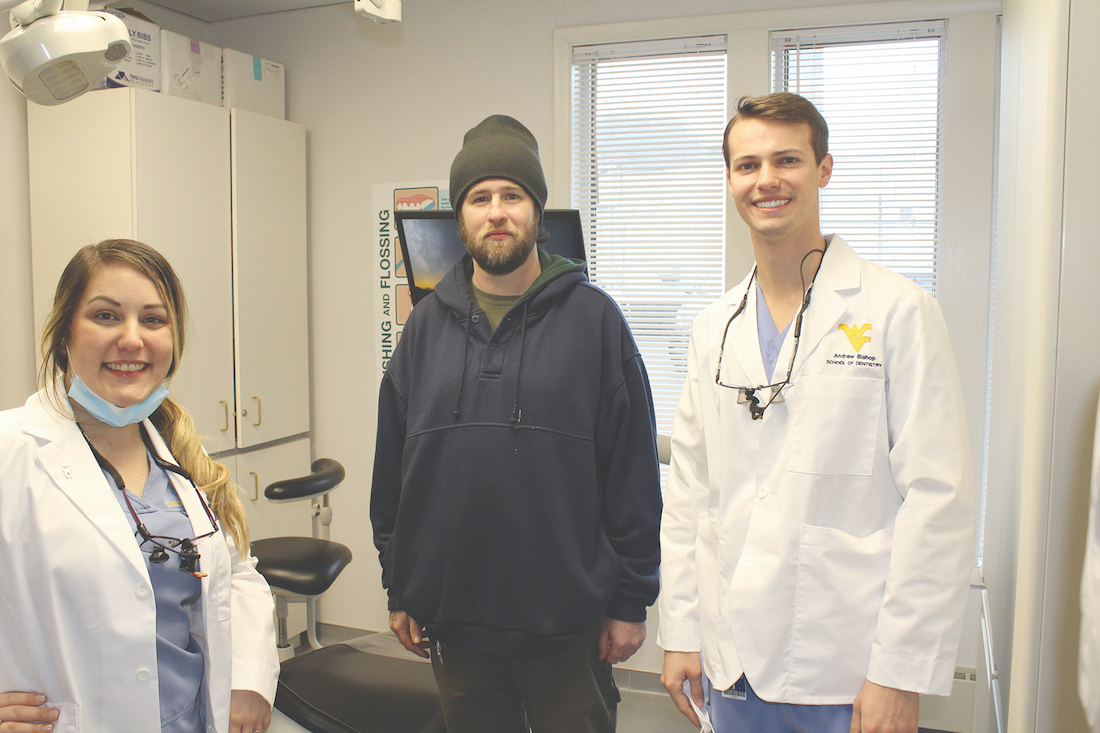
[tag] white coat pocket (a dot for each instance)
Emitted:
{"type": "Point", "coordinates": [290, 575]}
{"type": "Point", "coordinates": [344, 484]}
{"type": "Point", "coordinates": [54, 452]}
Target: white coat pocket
{"type": "Point", "coordinates": [68, 717]}
{"type": "Point", "coordinates": [835, 425]}
{"type": "Point", "coordinates": [841, 583]}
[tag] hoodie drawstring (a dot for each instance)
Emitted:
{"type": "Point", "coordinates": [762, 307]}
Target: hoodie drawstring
{"type": "Point", "coordinates": [465, 353]}
{"type": "Point", "coordinates": [517, 414]}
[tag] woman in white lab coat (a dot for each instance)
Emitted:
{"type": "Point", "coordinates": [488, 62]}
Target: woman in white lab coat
{"type": "Point", "coordinates": [128, 599]}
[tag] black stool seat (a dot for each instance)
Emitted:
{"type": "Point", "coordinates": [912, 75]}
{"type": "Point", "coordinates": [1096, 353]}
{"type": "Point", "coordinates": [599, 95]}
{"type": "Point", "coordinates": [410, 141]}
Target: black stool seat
{"type": "Point", "coordinates": [301, 565]}
{"type": "Point", "coordinates": [341, 689]}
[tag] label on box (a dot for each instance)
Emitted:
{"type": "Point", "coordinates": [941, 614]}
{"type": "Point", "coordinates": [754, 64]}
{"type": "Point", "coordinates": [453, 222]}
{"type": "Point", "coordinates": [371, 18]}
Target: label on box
{"type": "Point", "coordinates": [182, 81]}
{"type": "Point", "coordinates": [190, 68]}
{"type": "Point", "coordinates": [271, 69]}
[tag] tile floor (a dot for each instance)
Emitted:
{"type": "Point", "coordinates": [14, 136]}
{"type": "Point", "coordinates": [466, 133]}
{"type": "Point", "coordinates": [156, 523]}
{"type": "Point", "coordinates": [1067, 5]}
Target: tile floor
{"type": "Point", "coordinates": [645, 712]}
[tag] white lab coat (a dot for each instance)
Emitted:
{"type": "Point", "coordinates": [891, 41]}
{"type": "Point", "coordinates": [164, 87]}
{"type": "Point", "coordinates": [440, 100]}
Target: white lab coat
{"type": "Point", "coordinates": [77, 614]}
{"type": "Point", "coordinates": [1088, 681]}
{"type": "Point", "coordinates": [832, 541]}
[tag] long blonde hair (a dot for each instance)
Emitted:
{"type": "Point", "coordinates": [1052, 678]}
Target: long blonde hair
{"type": "Point", "coordinates": [172, 421]}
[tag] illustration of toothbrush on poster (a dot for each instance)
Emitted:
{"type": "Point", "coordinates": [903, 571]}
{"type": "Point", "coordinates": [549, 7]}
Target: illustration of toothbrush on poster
{"type": "Point", "coordinates": [392, 298]}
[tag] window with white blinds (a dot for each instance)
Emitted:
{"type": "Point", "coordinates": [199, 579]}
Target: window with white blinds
{"type": "Point", "coordinates": [880, 88]}
{"type": "Point", "coordinates": [648, 179]}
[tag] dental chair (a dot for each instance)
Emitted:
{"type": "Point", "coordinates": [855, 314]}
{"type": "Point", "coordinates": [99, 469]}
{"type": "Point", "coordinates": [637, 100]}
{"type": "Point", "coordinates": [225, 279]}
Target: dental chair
{"type": "Point", "coordinates": [366, 685]}
{"type": "Point", "coordinates": [300, 569]}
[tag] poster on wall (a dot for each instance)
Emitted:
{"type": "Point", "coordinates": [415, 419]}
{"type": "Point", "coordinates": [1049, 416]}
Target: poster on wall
{"type": "Point", "coordinates": [392, 299]}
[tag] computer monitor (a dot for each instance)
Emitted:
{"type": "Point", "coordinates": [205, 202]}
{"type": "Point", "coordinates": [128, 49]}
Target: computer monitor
{"type": "Point", "coordinates": [430, 243]}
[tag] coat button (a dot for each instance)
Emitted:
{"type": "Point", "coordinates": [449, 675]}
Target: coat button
{"type": "Point", "coordinates": [141, 591]}
{"type": "Point", "coordinates": [475, 318]}
{"type": "Point", "coordinates": [762, 491]}
{"type": "Point", "coordinates": [143, 675]}
{"type": "Point", "coordinates": [492, 347]}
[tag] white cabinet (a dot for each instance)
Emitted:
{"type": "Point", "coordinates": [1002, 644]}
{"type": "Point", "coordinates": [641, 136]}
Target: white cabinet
{"type": "Point", "coordinates": [269, 234]}
{"type": "Point", "coordinates": [125, 164]}
{"type": "Point", "coordinates": [221, 193]}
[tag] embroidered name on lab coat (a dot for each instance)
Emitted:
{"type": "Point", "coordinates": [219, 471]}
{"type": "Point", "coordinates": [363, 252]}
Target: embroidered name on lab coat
{"type": "Point", "coordinates": [862, 360]}
{"type": "Point", "coordinates": [855, 335]}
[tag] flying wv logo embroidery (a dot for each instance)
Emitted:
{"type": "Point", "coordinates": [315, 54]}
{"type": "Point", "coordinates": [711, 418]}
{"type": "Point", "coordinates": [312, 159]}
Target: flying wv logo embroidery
{"type": "Point", "coordinates": [855, 335]}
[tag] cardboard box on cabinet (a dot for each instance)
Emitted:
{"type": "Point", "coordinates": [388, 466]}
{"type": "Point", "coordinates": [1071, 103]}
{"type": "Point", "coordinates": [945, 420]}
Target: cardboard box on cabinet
{"type": "Point", "coordinates": [142, 67]}
{"type": "Point", "coordinates": [190, 68]}
{"type": "Point", "coordinates": [253, 84]}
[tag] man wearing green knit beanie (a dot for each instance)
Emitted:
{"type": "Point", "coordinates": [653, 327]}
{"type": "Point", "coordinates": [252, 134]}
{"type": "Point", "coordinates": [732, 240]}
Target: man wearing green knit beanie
{"type": "Point", "coordinates": [499, 147]}
{"type": "Point", "coordinates": [516, 496]}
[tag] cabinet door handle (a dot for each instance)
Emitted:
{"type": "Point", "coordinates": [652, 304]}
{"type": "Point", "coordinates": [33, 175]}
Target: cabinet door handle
{"type": "Point", "coordinates": [226, 406]}
{"type": "Point", "coordinates": [259, 412]}
{"type": "Point", "coordinates": [255, 485]}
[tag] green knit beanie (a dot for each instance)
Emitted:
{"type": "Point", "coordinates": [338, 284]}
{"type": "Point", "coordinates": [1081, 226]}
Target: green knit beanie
{"type": "Point", "coordinates": [499, 147]}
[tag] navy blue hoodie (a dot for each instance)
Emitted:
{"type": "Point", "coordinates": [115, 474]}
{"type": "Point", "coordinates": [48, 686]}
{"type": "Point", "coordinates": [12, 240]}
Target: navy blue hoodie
{"type": "Point", "coordinates": [516, 495]}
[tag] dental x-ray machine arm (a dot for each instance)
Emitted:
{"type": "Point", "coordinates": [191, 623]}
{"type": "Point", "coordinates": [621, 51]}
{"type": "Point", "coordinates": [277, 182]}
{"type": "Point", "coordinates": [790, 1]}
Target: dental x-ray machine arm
{"type": "Point", "coordinates": [53, 55]}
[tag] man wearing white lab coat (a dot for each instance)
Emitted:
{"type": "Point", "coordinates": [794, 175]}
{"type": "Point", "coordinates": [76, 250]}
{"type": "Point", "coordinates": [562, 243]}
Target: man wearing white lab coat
{"type": "Point", "coordinates": [819, 519]}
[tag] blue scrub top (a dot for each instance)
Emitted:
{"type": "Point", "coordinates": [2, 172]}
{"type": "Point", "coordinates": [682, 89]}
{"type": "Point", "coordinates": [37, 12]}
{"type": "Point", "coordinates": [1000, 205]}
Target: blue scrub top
{"type": "Point", "coordinates": [771, 341]}
{"type": "Point", "coordinates": [178, 597]}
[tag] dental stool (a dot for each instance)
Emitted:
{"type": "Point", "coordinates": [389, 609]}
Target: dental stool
{"type": "Point", "coordinates": [300, 569]}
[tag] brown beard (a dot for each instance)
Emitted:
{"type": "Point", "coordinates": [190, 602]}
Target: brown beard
{"type": "Point", "coordinates": [499, 258]}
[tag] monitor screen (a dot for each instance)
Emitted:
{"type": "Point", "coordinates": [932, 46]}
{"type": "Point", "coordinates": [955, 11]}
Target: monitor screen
{"type": "Point", "coordinates": [430, 243]}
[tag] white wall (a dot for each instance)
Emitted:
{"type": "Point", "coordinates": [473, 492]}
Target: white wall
{"type": "Point", "coordinates": [1046, 354]}
{"type": "Point", "coordinates": [17, 356]}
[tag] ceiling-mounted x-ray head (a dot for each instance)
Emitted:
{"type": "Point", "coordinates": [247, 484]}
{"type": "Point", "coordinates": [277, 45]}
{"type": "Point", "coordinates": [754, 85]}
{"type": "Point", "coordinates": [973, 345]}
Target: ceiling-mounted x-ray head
{"type": "Point", "coordinates": [53, 55]}
{"type": "Point", "coordinates": [380, 11]}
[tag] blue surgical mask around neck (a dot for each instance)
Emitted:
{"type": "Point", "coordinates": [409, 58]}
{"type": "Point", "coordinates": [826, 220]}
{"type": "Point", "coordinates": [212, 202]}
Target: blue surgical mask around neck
{"type": "Point", "coordinates": [105, 412]}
